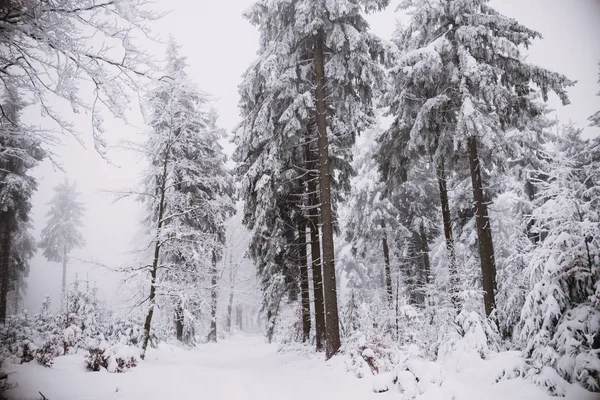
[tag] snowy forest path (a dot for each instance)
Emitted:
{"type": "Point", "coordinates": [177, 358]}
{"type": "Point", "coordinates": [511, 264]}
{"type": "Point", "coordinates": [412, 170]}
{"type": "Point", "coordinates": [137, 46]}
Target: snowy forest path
{"type": "Point", "coordinates": [241, 368]}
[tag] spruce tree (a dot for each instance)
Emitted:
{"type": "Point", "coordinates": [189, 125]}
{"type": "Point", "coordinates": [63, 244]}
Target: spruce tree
{"type": "Point", "coordinates": [62, 232]}
{"type": "Point", "coordinates": [317, 68]}
{"type": "Point", "coordinates": [463, 84]}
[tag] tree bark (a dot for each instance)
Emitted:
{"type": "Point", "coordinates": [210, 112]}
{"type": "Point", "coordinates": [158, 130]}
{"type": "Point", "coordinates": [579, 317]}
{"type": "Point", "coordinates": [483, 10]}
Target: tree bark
{"type": "Point", "coordinates": [64, 275]}
{"type": "Point", "coordinates": [484, 231]}
{"type": "Point", "coordinates": [212, 334]}
{"type": "Point", "coordinates": [317, 274]}
{"type": "Point", "coordinates": [388, 271]}
{"type": "Point", "coordinates": [425, 252]}
{"type": "Point", "coordinates": [445, 204]}
{"type": "Point", "coordinates": [229, 311]}
{"type": "Point", "coordinates": [332, 328]}
{"type": "Point", "coordinates": [179, 322]}
{"type": "Point", "coordinates": [304, 289]}
{"type": "Point", "coordinates": [154, 268]}
{"type": "Point", "coordinates": [4, 267]}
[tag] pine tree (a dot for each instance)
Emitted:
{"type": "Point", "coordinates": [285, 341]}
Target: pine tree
{"type": "Point", "coordinates": [187, 196]}
{"type": "Point", "coordinates": [465, 80]}
{"type": "Point", "coordinates": [19, 153]}
{"type": "Point", "coordinates": [317, 68]}
{"type": "Point", "coordinates": [560, 318]}
{"type": "Point", "coordinates": [62, 235]}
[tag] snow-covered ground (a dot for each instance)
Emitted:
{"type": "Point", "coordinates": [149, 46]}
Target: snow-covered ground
{"type": "Point", "coordinates": [246, 368]}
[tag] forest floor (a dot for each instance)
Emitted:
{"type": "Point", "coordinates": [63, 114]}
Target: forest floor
{"type": "Point", "coordinates": [246, 368]}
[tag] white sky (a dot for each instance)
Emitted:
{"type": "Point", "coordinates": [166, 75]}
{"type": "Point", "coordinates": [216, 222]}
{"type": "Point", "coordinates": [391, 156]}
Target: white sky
{"type": "Point", "coordinates": [220, 45]}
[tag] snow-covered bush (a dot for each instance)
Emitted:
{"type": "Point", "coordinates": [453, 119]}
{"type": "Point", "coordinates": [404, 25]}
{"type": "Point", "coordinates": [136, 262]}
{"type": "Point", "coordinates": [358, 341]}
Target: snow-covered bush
{"type": "Point", "coordinates": [560, 321]}
{"type": "Point", "coordinates": [116, 358]}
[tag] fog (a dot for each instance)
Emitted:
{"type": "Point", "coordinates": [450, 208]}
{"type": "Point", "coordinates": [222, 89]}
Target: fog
{"type": "Point", "coordinates": [220, 45]}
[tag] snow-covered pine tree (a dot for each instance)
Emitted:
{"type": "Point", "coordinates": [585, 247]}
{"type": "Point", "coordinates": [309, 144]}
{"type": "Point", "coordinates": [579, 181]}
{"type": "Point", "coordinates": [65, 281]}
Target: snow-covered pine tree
{"type": "Point", "coordinates": [560, 320]}
{"type": "Point", "coordinates": [469, 57]}
{"type": "Point", "coordinates": [62, 234]}
{"type": "Point", "coordinates": [19, 153]}
{"type": "Point", "coordinates": [324, 50]}
{"type": "Point", "coordinates": [187, 192]}
{"type": "Point", "coordinates": [372, 220]}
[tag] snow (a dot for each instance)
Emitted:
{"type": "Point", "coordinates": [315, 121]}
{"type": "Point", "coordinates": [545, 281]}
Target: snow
{"type": "Point", "coordinates": [247, 368]}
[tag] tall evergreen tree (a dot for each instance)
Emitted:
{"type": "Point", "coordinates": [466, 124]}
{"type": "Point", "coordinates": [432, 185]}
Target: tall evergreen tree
{"type": "Point", "coordinates": [187, 195]}
{"type": "Point", "coordinates": [19, 152]}
{"type": "Point", "coordinates": [62, 232]}
{"type": "Point", "coordinates": [467, 56]}
{"type": "Point", "coordinates": [317, 68]}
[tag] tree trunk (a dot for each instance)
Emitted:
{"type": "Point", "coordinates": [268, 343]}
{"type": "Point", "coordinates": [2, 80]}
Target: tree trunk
{"type": "Point", "coordinates": [388, 271]}
{"type": "Point", "coordinates": [305, 294]}
{"type": "Point", "coordinates": [154, 268]}
{"type": "Point", "coordinates": [332, 328]}
{"type": "Point", "coordinates": [212, 334]}
{"type": "Point", "coordinates": [64, 275]}
{"type": "Point", "coordinates": [315, 252]}
{"type": "Point", "coordinates": [448, 234]}
{"type": "Point", "coordinates": [426, 262]}
{"type": "Point", "coordinates": [179, 322]}
{"type": "Point", "coordinates": [4, 267]}
{"type": "Point", "coordinates": [484, 231]}
{"type": "Point", "coordinates": [315, 248]}
{"type": "Point", "coordinates": [238, 317]}
{"type": "Point", "coordinates": [230, 310]}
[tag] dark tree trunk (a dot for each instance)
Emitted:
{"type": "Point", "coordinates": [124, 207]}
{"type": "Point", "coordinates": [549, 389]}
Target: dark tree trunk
{"type": "Point", "coordinates": [317, 275]}
{"type": "Point", "coordinates": [238, 318]}
{"type": "Point", "coordinates": [305, 295]}
{"type": "Point", "coordinates": [154, 268]}
{"type": "Point", "coordinates": [4, 266]}
{"type": "Point", "coordinates": [315, 249]}
{"type": "Point", "coordinates": [179, 322]}
{"type": "Point", "coordinates": [212, 334]}
{"type": "Point", "coordinates": [388, 271]}
{"type": "Point", "coordinates": [425, 252]}
{"type": "Point", "coordinates": [448, 233]}
{"type": "Point", "coordinates": [229, 311]}
{"type": "Point", "coordinates": [332, 327]}
{"type": "Point", "coordinates": [484, 231]}
{"type": "Point", "coordinates": [64, 275]}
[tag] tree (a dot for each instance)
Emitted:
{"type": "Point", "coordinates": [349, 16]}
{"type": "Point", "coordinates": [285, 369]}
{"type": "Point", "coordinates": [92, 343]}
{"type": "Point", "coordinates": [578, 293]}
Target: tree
{"type": "Point", "coordinates": [317, 62]}
{"type": "Point", "coordinates": [50, 53]}
{"type": "Point", "coordinates": [187, 196]}
{"type": "Point", "coordinates": [468, 56]}
{"type": "Point", "coordinates": [560, 318]}
{"type": "Point", "coordinates": [61, 234]}
{"type": "Point", "coordinates": [20, 153]}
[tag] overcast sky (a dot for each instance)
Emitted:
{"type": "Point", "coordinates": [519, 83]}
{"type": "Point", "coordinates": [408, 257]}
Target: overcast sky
{"type": "Point", "coordinates": [220, 45]}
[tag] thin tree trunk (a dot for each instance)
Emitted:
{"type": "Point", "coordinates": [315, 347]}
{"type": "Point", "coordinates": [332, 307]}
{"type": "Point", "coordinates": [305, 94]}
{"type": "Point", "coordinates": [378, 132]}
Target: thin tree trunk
{"type": "Point", "coordinates": [317, 273]}
{"type": "Point", "coordinates": [179, 322]}
{"type": "Point", "coordinates": [154, 269]}
{"type": "Point", "coordinates": [484, 231]}
{"type": "Point", "coordinates": [425, 252]}
{"type": "Point", "coordinates": [332, 327]}
{"type": "Point", "coordinates": [229, 310]}
{"type": "Point", "coordinates": [64, 274]}
{"type": "Point", "coordinates": [4, 268]}
{"type": "Point", "coordinates": [315, 250]}
{"type": "Point", "coordinates": [305, 295]}
{"type": "Point", "coordinates": [426, 262]}
{"type": "Point", "coordinates": [388, 271]}
{"type": "Point", "coordinates": [212, 334]}
{"type": "Point", "coordinates": [448, 233]}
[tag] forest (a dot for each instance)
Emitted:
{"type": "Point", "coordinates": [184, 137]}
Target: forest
{"type": "Point", "coordinates": [402, 217]}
